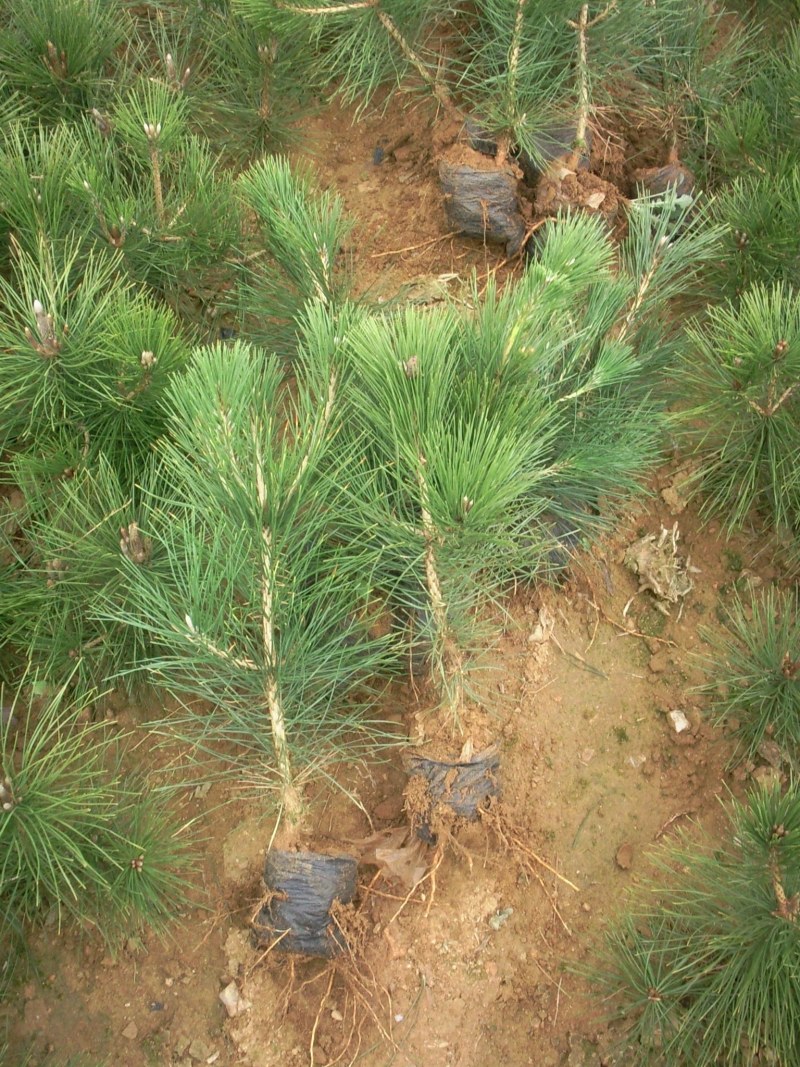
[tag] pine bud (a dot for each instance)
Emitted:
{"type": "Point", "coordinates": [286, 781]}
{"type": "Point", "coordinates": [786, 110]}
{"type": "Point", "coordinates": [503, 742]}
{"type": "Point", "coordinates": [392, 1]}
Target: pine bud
{"type": "Point", "coordinates": [47, 344]}
{"type": "Point", "coordinates": [410, 367]}
{"type": "Point", "coordinates": [148, 360]}
{"type": "Point", "coordinates": [780, 349]}
{"type": "Point", "coordinates": [133, 545]}
{"type": "Point", "coordinates": [741, 239]}
{"type": "Point", "coordinates": [101, 122]}
{"type": "Point", "coordinates": [467, 503]}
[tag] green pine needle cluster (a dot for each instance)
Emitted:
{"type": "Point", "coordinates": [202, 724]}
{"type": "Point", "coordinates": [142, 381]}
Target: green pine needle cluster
{"type": "Point", "coordinates": [754, 159]}
{"type": "Point", "coordinates": [739, 379]}
{"type": "Point", "coordinates": [754, 672]}
{"type": "Point", "coordinates": [703, 964]}
{"type": "Point", "coordinates": [77, 839]}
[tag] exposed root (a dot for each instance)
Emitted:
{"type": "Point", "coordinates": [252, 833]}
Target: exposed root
{"type": "Point", "coordinates": [512, 841]}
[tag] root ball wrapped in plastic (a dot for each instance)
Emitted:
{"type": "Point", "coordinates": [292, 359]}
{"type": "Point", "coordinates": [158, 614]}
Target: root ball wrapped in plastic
{"type": "Point", "coordinates": [303, 887]}
{"type": "Point", "coordinates": [483, 203]}
{"type": "Point", "coordinates": [450, 789]}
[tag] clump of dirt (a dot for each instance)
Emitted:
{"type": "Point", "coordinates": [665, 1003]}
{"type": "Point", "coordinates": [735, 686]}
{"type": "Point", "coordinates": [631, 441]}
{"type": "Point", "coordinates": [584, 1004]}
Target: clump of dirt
{"type": "Point", "coordinates": [563, 190]}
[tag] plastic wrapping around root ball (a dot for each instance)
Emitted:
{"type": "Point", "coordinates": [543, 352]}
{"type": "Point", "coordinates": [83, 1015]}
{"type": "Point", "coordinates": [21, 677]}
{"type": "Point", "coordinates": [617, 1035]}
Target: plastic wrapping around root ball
{"type": "Point", "coordinates": [555, 142]}
{"type": "Point", "coordinates": [463, 786]}
{"type": "Point", "coordinates": [304, 887]}
{"type": "Point", "coordinates": [478, 138]}
{"type": "Point", "coordinates": [483, 203]}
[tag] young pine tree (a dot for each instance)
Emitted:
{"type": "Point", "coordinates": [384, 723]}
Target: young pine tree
{"type": "Point", "coordinates": [260, 591]}
{"type": "Point", "coordinates": [754, 673]}
{"type": "Point", "coordinates": [739, 378]}
{"type": "Point", "coordinates": [703, 963]}
{"type": "Point", "coordinates": [76, 836]}
{"type": "Point", "coordinates": [497, 431]}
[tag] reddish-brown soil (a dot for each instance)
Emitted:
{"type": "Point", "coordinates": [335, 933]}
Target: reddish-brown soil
{"type": "Point", "coordinates": [475, 966]}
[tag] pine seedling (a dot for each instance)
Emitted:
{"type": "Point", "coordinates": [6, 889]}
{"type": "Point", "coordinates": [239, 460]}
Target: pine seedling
{"type": "Point", "coordinates": [754, 673]}
{"type": "Point", "coordinates": [758, 130]}
{"type": "Point", "coordinates": [248, 96]}
{"type": "Point", "coordinates": [703, 964]}
{"type": "Point", "coordinates": [49, 328]}
{"type": "Point", "coordinates": [155, 193]}
{"type": "Point", "coordinates": [488, 429]}
{"type": "Point", "coordinates": [303, 232]}
{"type": "Point", "coordinates": [531, 64]}
{"type": "Point", "coordinates": [62, 55]}
{"type": "Point", "coordinates": [263, 607]}
{"type": "Point", "coordinates": [155, 860]}
{"type": "Point", "coordinates": [86, 360]}
{"type": "Point", "coordinates": [739, 374]}
{"type": "Point", "coordinates": [80, 533]}
{"type": "Point", "coordinates": [69, 827]}
{"type": "Point", "coordinates": [36, 202]}
{"type": "Point", "coordinates": [759, 213]}
{"type": "Point", "coordinates": [691, 60]}
{"type": "Point", "coordinates": [358, 47]}
{"type": "Point", "coordinates": [450, 480]}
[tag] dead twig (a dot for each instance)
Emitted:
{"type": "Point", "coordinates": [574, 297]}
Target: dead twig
{"type": "Point", "coordinates": [322, 1003]}
{"type": "Point", "coordinates": [673, 819]}
{"type": "Point", "coordinates": [414, 248]}
{"type": "Point", "coordinates": [429, 874]}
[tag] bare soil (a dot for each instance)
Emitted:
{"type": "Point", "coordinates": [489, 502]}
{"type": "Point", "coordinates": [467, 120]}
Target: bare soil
{"type": "Point", "coordinates": [475, 965]}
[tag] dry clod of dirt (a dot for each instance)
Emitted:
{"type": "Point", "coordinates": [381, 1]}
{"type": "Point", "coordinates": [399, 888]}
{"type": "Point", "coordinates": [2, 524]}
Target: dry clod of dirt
{"type": "Point", "coordinates": [624, 856]}
{"type": "Point", "coordinates": [232, 1000]}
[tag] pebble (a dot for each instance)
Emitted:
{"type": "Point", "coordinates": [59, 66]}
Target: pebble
{"type": "Point", "coordinates": [624, 856]}
{"type": "Point", "coordinates": [199, 1050]}
{"type": "Point", "coordinates": [131, 1031]}
{"type": "Point", "coordinates": [337, 1016]}
{"type": "Point", "coordinates": [659, 662]}
{"type": "Point", "coordinates": [232, 1001]}
{"type": "Point", "coordinates": [678, 720]}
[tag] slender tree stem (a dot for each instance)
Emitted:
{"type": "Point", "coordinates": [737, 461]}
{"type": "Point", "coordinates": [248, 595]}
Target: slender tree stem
{"type": "Point", "coordinates": [292, 803]}
{"type": "Point", "coordinates": [504, 142]}
{"type": "Point", "coordinates": [641, 292]}
{"type": "Point", "coordinates": [439, 90]}
{"type": "Point", "coordinates": [336, 9]}
{"type": "Point", "coordinates": [158, 192]}
{"type": "Point", "coordinates": [319, 432]}
{"type": "Point", "coordinates": [788, 907]}
{"type": "Point", "coordinates": [452, 660]}
{"type": "Point", "coordinates": [581, 27]}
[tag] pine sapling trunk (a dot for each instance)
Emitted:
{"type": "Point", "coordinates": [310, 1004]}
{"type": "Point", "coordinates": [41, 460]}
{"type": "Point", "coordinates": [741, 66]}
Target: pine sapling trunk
{"type": "Point", "coordinates": [452, 659]}
{"type": "Point", "coordinates": [582, 27]}
{"type": "Point", "coordinates": [290, 797]}
{"type": "Point", "coordinates": [153, 132]}
{"type": "Point", "coordinates": [439, 90]}
{"type": "Point", "coordinates": [267, 54]}
{"type": "Point", "coordinates": [788, 907]}
{"type": "Point", "coordinates": [504, 142]}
